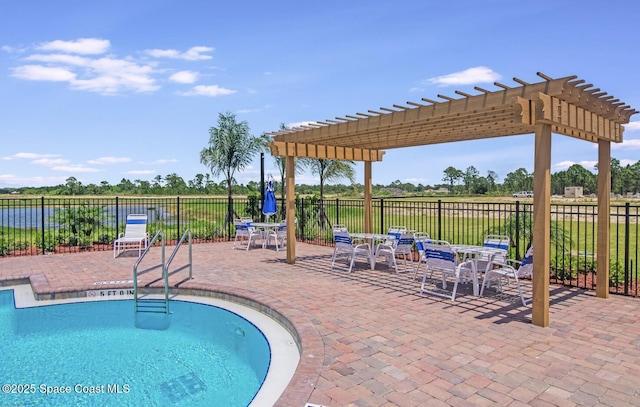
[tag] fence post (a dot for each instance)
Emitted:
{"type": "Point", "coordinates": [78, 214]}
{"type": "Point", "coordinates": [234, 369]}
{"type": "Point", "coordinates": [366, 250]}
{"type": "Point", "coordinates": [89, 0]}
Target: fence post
{"type": "Point", "coordinates": [228, 218]}
{"type": "Point", "coordinates": [117, 218]}
{"type": "Point", "coordinates": [178, 212]}
{"type": "Point", "coordinates": [518, 230]}
{"type": "Point", "coordinates": [302, 219]}
{"type": "Point", "coordinates": [42, 222]}
{"type": "Point", "coordinates": [337, 211]}
{"type": "Point", "coordinates": [381, 215]}
{"type": "Point", "coordinates": [439, 219]}
{"type": "Point", "coordinates": [626, 248]}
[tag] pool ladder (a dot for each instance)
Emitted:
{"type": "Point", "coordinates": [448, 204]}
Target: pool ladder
{"type": "Point", "coordinates": [143, 302]}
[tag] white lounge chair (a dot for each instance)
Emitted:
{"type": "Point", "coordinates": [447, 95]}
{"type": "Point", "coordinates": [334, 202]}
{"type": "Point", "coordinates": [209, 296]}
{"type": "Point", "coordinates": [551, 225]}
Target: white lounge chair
{"type": "Point", "coordinates": [134, 235]}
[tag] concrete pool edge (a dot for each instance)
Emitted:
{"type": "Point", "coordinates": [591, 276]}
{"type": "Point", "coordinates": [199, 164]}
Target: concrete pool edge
{"type": "Point", "coordinates": [306, 336]}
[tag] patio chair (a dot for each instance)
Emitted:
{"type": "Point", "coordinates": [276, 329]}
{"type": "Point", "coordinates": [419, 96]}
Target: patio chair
{"type": "Point", "coordinates": [278, 234]}
{"type": "Point", "coordinates": [345, 246]}
{"type": "Point", "coordinates": [420, 239]}
{"type": "Point", "coordinates": [394, 232]}
{"type": "Point", "coordinates": [501, 242]}
{"type": "Point", "coordinates": [134, 235]}
{"type": "Point", "coordinates": [401, 247]}
{"type": "Point", "coordinates": [510, 269]}
{"type": "Point", "coordinates": [244, 231]}
{"type": "Point", "coordinates": [440, 257]}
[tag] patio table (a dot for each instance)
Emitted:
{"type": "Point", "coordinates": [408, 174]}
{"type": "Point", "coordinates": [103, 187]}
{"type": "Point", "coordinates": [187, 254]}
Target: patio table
{"type": "Point", "coordinates": [372, 238]}
{"type": "Point", "coordinates": [265, 228]}
{"type": "Point", "coordinates": [474, 252]}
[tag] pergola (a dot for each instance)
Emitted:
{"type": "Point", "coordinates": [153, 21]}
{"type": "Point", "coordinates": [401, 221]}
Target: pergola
{"type": "Point", "coordinates": [565, 106]}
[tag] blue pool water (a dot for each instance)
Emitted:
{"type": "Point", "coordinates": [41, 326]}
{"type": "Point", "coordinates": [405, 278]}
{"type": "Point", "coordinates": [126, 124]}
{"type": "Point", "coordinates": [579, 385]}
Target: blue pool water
{"type": "Point", "coordinates": [93, 353]}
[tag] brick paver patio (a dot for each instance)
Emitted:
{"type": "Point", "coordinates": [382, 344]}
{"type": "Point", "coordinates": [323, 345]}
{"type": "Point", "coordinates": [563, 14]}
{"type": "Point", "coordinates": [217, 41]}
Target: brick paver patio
{"type": "Point", "coordinates": [369, 338]}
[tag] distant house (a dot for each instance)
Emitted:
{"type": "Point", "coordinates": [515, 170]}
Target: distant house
{"type": "Point", "coordinates": [438, 191]}
{"type": "Point", "coordinates": [573, 192]}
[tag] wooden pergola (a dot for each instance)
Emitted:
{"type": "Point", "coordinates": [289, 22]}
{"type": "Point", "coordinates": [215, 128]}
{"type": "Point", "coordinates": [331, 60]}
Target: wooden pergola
{"type": "Point", "coordinates": [565, 106]}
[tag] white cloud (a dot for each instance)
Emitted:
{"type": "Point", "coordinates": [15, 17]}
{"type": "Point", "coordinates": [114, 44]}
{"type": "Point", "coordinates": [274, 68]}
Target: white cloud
{"type": "Point", "coordinates": [626, 161]}
{"type": "Point", "coordinates": [50, 161]}
{"type": "Point", "coordinates": [111, 76]}
{"type": "Point", "coordinates": [564, 165]}
{"type": "Point", "coordinates": [109, 160]}
{"type": "Point", "coordinates": [211, 90]}
{"type": "Point", "coordinates": [75, 168]}
{"type": "Point", "coordinates": [479, 74]}
{"type": "Point", "coordinates": [632, 126]}
{"type": "Point", "coordinates": [12, 180]}
{"type": "Point", "coordinates": [59, 58]}
{"type": "Point", "coordinates": [30, 156]}
{"type": "Point", "coordinates": [297, 124]}
{"type": "Point", "coordinates": [75, 62]}
{"type": "Point", "coordinates": [85, 46]}
{"type": "Point", "coordinates": [140, 172]}
{"type": "Point", "coordinates": [632, 144]}
{"type": "Point", "coordinates": [160, 161]}
{"type": "Point", "coordinates": [43, 73]}
{"type": "Point", "coordinates": [192, 54]}
{"type": "Point", "coordinates": [184, 77]}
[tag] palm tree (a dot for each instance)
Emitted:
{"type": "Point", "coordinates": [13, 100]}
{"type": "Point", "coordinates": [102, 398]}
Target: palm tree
{"type": "Point", "coordinates": [329, 170]}
{"type": "Point", "coordinates": [231, 148]}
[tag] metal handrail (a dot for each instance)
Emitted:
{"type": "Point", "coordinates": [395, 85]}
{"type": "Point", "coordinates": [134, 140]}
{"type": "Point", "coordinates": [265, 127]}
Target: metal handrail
{"type": "Point", "coordinates": [159, 234]}
{"type": "Point", "coordinates": [185, 235]}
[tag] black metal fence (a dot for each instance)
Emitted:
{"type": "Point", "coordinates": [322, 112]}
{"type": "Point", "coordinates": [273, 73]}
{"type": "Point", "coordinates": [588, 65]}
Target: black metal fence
{"type": "Point", "coordinates": [32, 226]}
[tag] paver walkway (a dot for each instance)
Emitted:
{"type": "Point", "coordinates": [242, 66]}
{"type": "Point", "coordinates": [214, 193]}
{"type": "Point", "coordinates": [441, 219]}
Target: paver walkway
{"type": "Point", "coordinates": [370, 339]}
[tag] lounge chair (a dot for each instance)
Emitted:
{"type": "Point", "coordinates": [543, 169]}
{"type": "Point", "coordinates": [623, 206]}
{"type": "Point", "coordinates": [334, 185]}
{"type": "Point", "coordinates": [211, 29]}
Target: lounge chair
{"type": "Point", "coordinates": [134, 235]}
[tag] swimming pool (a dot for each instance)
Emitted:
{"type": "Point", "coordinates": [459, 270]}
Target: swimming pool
{"type": "Point", "coordinates": [91, 353]}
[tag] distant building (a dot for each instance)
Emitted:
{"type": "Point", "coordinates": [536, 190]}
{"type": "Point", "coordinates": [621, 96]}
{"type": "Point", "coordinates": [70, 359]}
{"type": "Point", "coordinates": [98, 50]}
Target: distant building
{"type": "Point", "coordinates": [573, 192]}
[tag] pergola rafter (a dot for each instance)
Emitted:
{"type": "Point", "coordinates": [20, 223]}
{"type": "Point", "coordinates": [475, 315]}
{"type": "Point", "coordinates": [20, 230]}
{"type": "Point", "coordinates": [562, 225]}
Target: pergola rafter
{"type": "Point", "coordinates": [566, 106]}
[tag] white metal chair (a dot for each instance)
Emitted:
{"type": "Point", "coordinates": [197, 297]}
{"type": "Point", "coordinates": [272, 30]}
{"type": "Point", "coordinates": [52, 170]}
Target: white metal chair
{"type": "Point", "coordinates": [420, 239]}
{"type": "Point", "coordinates": [400, 247]}
{"type": "Point", "coordinates": [345, 246]}
{"type": "Point", "coordinates": [244, 231]}
{"type": "Point", "coordinates": [515, 270]}
{"type": "Point", "coordinates": [440, 257]}
{"type": "Point", "coordinates": [500, 242]}
{"type": "Point", "coordinates": [279, 235]}
{"type": "Point", "coordinates": [394, 232]}
{"type": "Point", "coordinates": [134, 235]}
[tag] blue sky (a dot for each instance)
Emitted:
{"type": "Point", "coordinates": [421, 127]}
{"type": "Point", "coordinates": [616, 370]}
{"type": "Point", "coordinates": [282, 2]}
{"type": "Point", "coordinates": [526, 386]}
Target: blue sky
{"type": "Point", "coordinates": [129, 89]}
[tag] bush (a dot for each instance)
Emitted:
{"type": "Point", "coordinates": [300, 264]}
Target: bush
{"type": "Point", "coordinates": [4, 246]}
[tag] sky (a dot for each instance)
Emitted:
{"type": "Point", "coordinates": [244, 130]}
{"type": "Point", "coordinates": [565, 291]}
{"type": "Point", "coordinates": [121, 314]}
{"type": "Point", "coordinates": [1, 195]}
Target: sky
{"type": "Point", "coordinates": [102, 91]}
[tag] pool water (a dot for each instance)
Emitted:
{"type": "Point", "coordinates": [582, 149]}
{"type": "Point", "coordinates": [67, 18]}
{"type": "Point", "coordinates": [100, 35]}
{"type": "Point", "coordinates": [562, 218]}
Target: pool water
{"type": "Point", "coordinates": [91, 353]}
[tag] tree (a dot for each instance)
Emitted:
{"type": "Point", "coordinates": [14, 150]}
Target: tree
{"type": "Point", "coordinates": [73, 186]}
{"type": "Point", "coordinates": [231, 148]}
{"type": "Point", "coordinates": [451, 176]}
{"type": "Point", "coordinates": [327, 171]}
{"type": "Point", "coordinates": [492, 177]}
{"type": "Point", "coordinates": [519, 180]}
{"type": "Point", "coordinates": [469, 177]}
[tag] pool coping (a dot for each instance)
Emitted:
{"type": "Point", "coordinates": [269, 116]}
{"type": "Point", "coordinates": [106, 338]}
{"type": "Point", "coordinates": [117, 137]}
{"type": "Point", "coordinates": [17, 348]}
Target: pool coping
{"type": "Point", "coordinates": [304, 332]}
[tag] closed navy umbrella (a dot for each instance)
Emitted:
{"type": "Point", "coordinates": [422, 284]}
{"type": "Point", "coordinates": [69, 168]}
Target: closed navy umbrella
{"type": "Point", "coordinates": [269, 206]}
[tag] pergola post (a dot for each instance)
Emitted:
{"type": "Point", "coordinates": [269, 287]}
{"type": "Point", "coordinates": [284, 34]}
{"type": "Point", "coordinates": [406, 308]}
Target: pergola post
{"type": "Point", "coordinates": [604, 202]}
{"type": "Point", "coordinates": [368, 219]}
{"type": "Point", "coordinates": [541, 225]}
{"type": "Point", "coordinates": [291, 209]}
